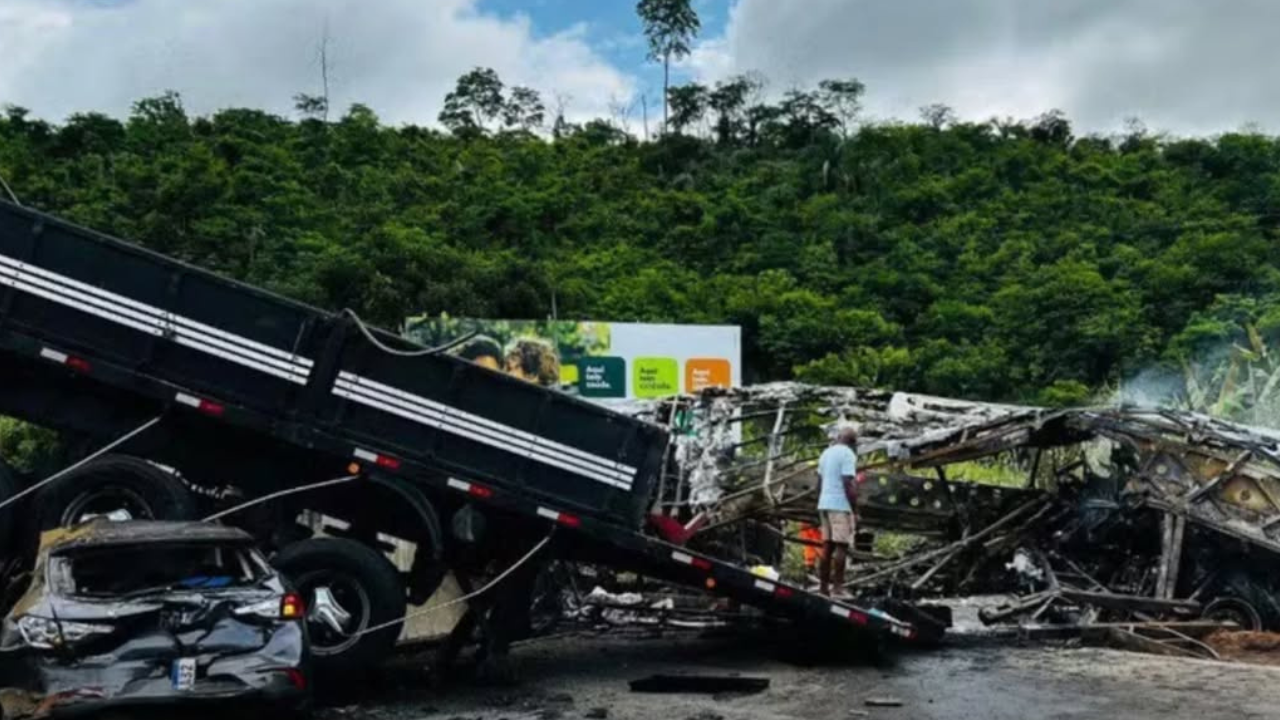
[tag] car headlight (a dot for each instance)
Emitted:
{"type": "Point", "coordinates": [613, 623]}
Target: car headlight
{"type": "Point", "coordinates": [46, 633]}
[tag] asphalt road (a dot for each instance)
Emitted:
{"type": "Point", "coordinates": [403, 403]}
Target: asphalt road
{"type": "Point", "coordinates": [587, 677]}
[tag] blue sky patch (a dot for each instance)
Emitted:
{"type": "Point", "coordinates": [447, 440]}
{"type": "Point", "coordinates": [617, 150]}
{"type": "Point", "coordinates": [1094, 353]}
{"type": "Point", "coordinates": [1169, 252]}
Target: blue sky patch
{"type": "Point", "coordinates": [611, 26]}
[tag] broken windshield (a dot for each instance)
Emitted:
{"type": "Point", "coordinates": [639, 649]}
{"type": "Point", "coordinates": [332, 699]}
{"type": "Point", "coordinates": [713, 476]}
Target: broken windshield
{"type": "Point", "coordinates": [138, 570]}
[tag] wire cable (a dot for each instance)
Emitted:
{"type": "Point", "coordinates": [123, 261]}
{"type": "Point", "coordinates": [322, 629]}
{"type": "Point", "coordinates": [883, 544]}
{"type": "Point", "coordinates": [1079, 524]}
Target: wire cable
{"type": "Point", "coordinates": [291, 491]}
{"type": "Point", "coordinates": [9, 191]}
{"type": "Point", "coordinates": [469, 596]}
{"type": "Point", "coordinates": [97, 454]}
{"type": "Point", "coordinates": [408, 616]}
{"type": "Point", "coordinates": [368, 334]}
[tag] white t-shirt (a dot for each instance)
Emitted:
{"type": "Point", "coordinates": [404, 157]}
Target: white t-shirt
{"type": "Point", "coordinates": [837, 463]}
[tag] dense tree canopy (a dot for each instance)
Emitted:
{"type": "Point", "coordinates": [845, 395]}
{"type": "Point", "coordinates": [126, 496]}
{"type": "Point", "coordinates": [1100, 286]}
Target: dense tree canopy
{"type": "Point", "coordinates": [998, 260]}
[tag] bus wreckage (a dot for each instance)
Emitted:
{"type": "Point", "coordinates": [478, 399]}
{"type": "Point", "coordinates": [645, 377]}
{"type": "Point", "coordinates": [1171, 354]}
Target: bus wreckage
{"type": "Point", "coordinates": [1097, 517]}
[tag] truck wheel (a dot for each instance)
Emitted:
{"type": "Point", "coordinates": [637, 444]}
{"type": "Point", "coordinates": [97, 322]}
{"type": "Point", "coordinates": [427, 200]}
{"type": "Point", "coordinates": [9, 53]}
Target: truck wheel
{"type": "Point", "coordinates": [114, 486]}
{"type": "Point", "coordinates": [1233, 609]}
{"type": "Point", "coordinates": [348, 588]}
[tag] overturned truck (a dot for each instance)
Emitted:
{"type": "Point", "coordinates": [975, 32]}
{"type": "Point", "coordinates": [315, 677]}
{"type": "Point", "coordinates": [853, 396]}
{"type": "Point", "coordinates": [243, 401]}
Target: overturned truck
{"type": "Point", "coordinates": [213, 392]}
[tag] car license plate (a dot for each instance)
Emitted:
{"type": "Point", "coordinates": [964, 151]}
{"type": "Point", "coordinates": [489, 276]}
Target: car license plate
{"type": "Point", "coordinates": [184, 674]}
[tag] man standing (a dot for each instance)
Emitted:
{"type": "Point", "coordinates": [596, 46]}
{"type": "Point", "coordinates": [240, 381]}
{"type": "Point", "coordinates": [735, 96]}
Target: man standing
{"type": "Point", "coordinates": [837, 499]}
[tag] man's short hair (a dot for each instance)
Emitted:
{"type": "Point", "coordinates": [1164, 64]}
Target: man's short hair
{"type": "Point", "coordinates": [845, 433]}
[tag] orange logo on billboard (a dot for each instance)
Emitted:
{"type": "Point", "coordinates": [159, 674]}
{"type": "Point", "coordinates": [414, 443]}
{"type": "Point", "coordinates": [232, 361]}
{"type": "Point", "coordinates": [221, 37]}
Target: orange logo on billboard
{"type": "Point", "coordinates": [703, 373]}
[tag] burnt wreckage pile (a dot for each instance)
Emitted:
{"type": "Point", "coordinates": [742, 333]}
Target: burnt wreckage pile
{"type": "Point", "coordinates": [1082, 517]}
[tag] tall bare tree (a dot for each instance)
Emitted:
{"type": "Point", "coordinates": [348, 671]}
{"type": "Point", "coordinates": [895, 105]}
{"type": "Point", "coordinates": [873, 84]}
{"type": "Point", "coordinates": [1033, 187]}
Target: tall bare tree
{"type": "Point", "coordinates": [322, 55]}
{"type": "Point", "coordinates": [670, 27]}
{"type": "Point", "coordinates": [317, 106]}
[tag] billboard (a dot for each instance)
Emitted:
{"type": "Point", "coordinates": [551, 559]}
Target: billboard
{"type": "Point", "coordinates": [596, 360]}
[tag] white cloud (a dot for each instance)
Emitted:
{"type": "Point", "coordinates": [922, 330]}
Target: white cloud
{"type": "Point", "coordinates": [400, 57]}
{"type": "Point", "coordinates": [1187, 66]}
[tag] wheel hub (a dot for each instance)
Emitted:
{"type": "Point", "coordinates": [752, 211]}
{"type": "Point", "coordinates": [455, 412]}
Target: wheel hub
{"type": "Point", "coordinates": [326, 609]}
{"type": "Point", "coordinates": [116, 504]}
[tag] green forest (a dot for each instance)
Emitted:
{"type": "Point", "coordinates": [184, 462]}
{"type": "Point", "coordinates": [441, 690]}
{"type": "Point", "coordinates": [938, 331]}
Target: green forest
{"type": "Point", "coordinates": [999, 260]}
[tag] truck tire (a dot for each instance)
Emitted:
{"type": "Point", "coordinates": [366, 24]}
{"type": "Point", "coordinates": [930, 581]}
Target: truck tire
{"type": "Point", "coordinates": [113, 483]}
{"type": "Point", "coordinates": [368, 591]}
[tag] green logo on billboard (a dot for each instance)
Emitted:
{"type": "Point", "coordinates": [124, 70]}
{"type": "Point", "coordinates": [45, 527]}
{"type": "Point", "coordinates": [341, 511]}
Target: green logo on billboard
{"type": "Point", "coordinates": [602, 377]}
{"type": "Point", "coordinates": [656, 377]}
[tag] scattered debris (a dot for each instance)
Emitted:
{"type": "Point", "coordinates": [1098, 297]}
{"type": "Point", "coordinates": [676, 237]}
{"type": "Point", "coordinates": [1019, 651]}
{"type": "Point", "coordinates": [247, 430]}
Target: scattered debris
{"type": "Point", "coordinates": [709, 684]}
{"type": "Point", "coordinates": [1124, 516]}
{"type": "Point", "coordinates": [883, 702]}
{"type": "Point", "coordinates": [1083, 517]}
{"type": "Point", "coordinates": [598, 713]}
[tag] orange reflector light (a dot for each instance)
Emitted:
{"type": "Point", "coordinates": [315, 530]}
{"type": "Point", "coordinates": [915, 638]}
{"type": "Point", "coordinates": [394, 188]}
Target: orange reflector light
{"type": "Point", "coordinates": [711, 583]}
{"type": "Point", "coordinates": [353, 469]}
{"type": "Point", "coordinates": [291, 607]}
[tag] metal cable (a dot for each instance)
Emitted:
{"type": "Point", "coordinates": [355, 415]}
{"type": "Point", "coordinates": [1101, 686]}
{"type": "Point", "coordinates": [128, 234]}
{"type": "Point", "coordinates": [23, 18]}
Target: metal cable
{"type": "Point", "coordinates": [97, 454]}
{"type": "Point", "coordinates": [368, 334]}
{"type": "Point", "coordinates": [291, 491]}
{"type": "Point", "coordinates": [9, 191]}
{"type": "Point", "coordinates": [440, 606]}
{"type": "Point", "coordinates": [409, 616]}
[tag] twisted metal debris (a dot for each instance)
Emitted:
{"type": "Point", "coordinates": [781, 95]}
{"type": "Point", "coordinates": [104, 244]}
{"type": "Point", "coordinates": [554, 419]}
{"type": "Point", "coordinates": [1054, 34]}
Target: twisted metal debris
{"type": "Point", "coordinates": [1083, 516]}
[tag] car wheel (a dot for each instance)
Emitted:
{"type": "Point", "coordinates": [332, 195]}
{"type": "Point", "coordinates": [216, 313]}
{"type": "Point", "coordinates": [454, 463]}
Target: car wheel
{"type": "Point", "coordinates": [348, 589]}
{"type": "Point", "coordinates": [114, 486]}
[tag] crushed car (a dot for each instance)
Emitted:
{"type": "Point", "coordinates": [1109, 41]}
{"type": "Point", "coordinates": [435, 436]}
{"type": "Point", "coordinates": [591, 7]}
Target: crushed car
{"type": "Point", "coordinates": [121, 615]}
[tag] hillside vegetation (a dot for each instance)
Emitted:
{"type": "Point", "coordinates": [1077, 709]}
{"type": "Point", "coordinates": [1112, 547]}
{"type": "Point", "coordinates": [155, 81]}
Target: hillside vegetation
{"type": "Point", "coordinates": [997, 260]}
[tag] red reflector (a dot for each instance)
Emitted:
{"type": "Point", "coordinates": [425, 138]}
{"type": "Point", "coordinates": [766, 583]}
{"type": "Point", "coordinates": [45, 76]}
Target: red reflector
{"type": "Point", "coordinates": [291, 606]}
{"type": "Point", "coordinates": [388, 462]}
{"type": "Point", "coordinates": [78, 364]}
{"type": "Point", "coordinates": [569, 520]}
{"type": "Point", "coordinates": [701, 564]}
{"type": "Point", "coordinates": [479, 491]}
{"type": "Point", "coordinates": [783, 592]}
{"type": "Point", "coordinates": [211, 408]}
{"type": "Point", "coordinates": [858, 618]}
{"type": "Point", "coordinates": [297, 678]}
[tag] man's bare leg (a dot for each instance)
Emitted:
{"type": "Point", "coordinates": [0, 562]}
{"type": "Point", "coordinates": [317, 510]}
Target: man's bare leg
{"type": "Point", "coordinates": [824, 568]}
{"type": "Point", "coordinates": [839, 559]}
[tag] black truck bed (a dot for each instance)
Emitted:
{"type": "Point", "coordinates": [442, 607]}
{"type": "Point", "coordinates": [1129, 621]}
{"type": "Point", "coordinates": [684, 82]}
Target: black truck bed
{"type": "Point", "coordinates": [177, 336]}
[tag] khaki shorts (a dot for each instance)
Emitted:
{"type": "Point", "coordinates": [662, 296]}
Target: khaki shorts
{"type": "Point", "coordinates": [838, 527]}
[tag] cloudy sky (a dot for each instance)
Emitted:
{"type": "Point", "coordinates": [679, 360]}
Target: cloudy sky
{"type": "Point", "coordinates": [1184, 66]}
